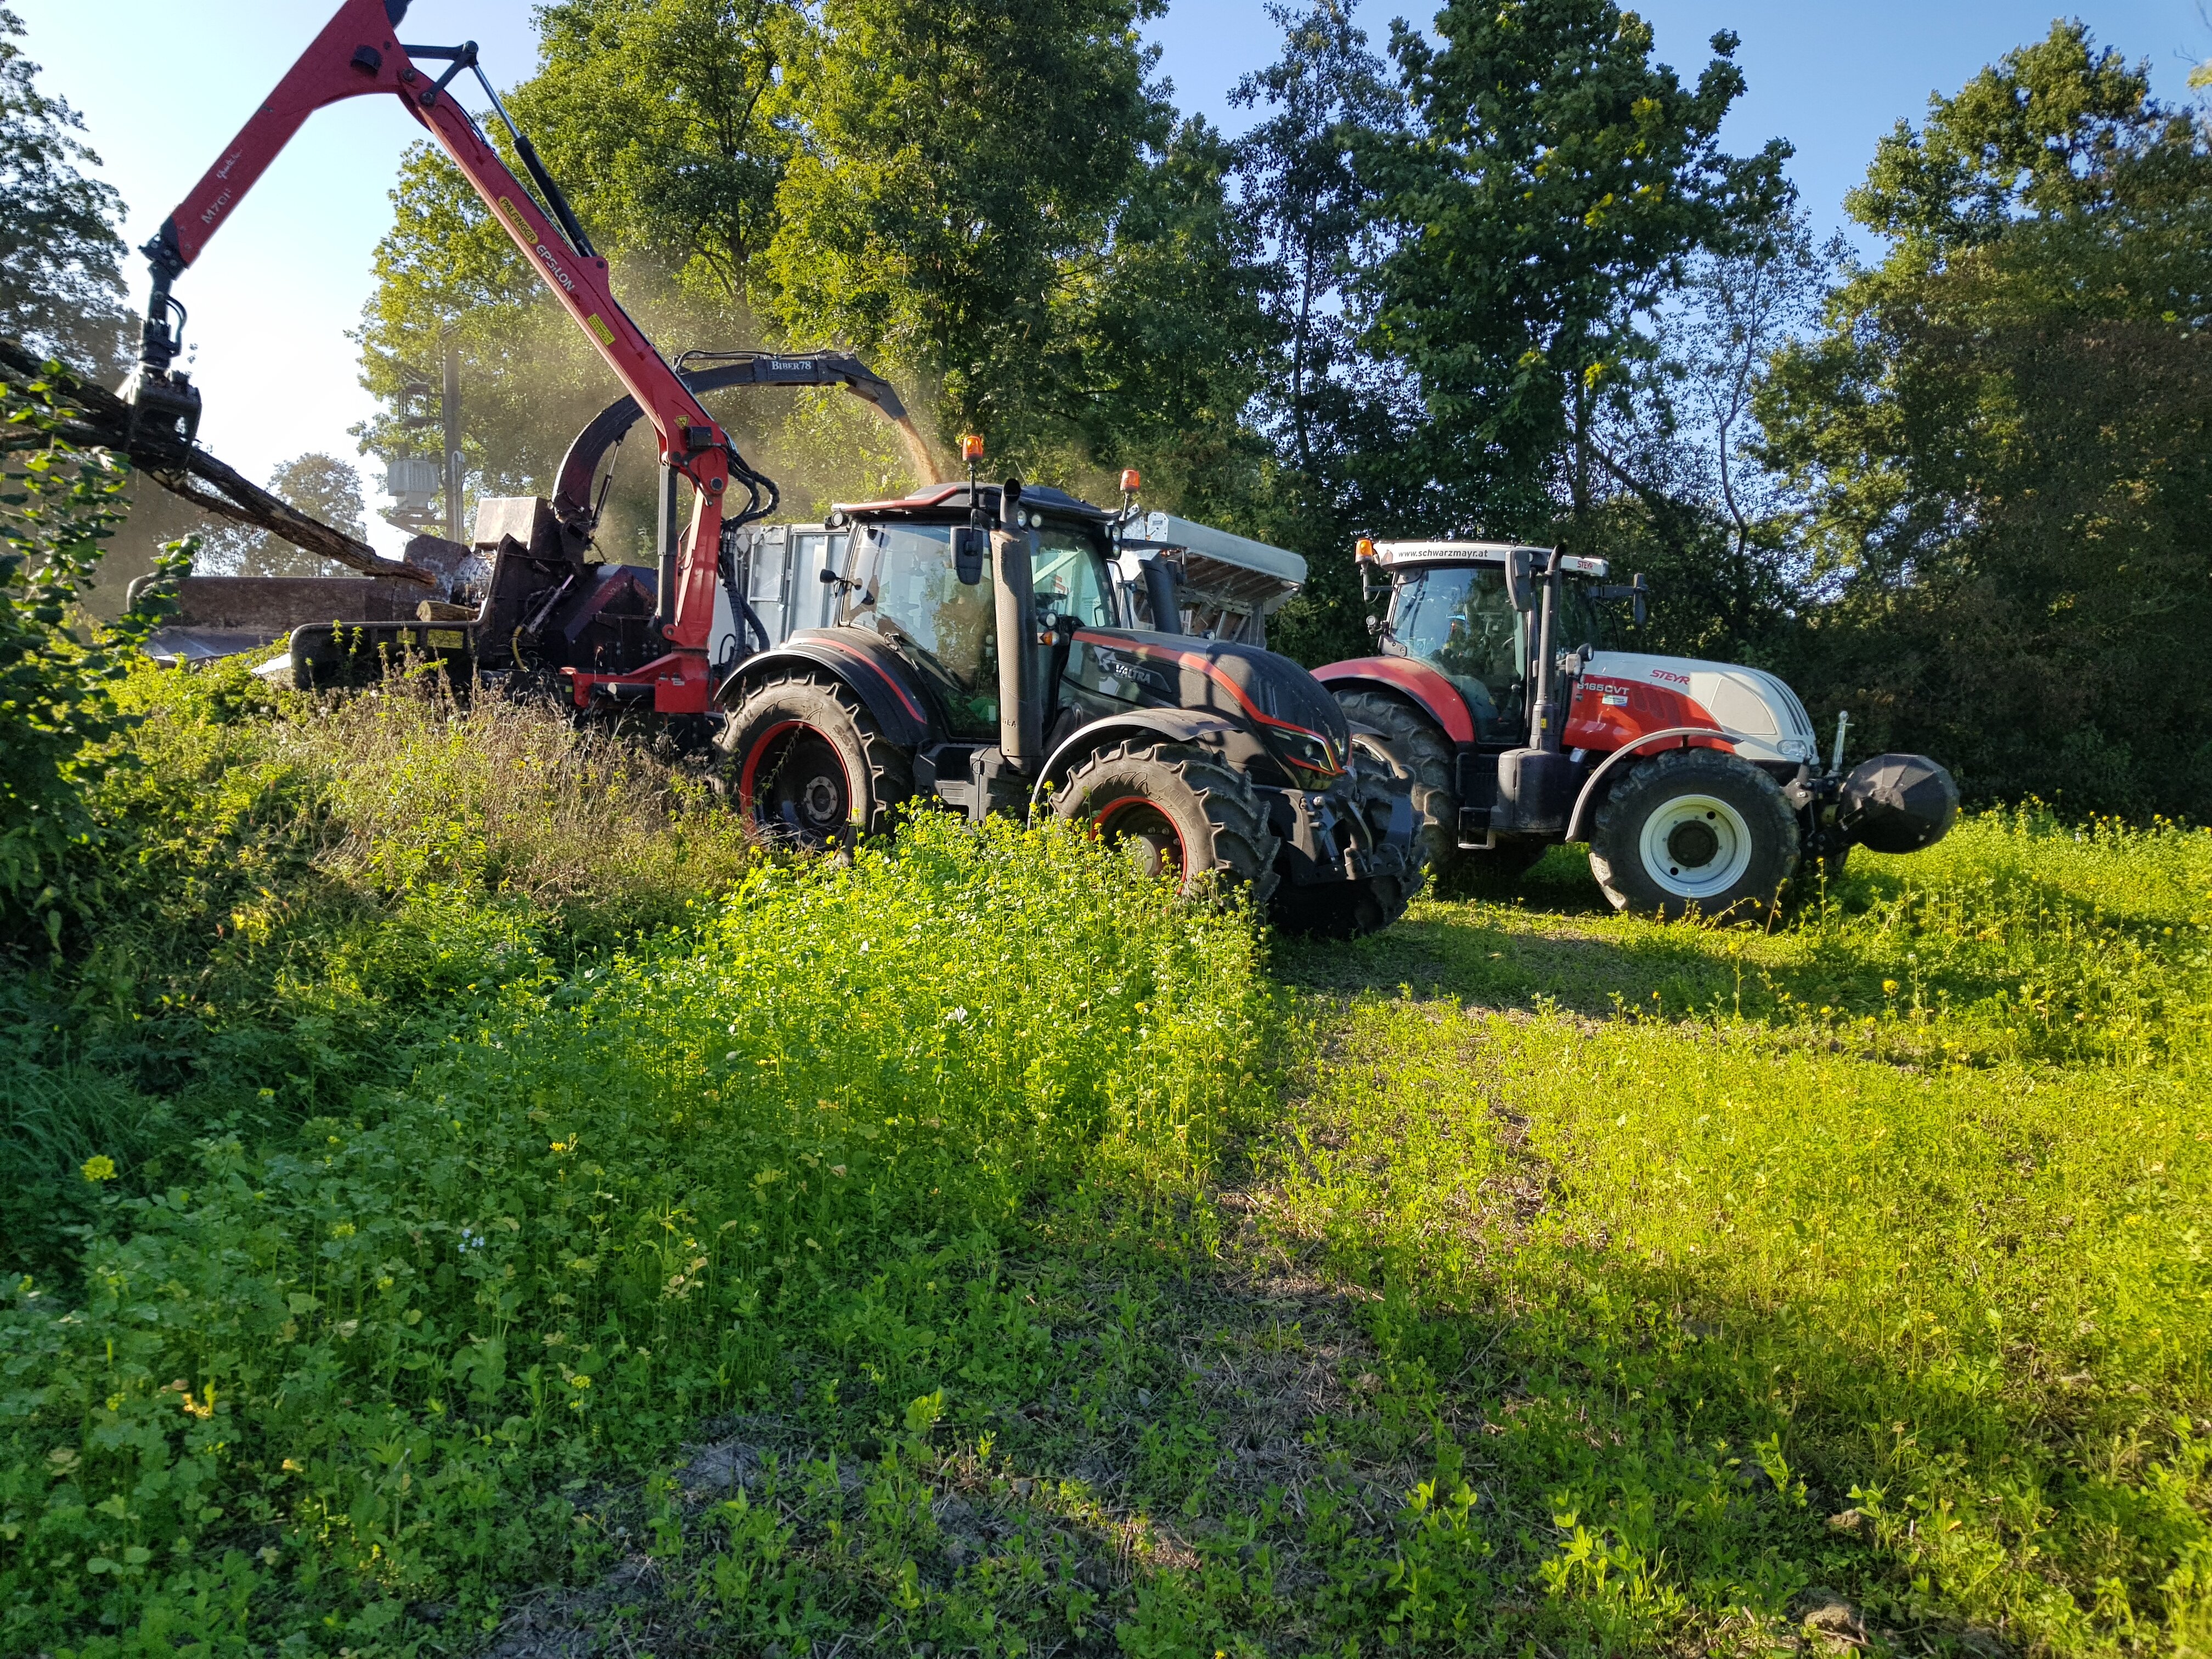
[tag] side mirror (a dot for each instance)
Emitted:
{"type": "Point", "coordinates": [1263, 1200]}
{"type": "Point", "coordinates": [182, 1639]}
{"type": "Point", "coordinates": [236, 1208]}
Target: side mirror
{"type": "Point", "coordinates": [970, 547]}
{"type": "Point", "coordinates": [1638, 593]}
{"type": "Point", "coordinates": [1520, 566]}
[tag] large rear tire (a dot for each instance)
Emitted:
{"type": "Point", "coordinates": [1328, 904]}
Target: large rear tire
{"type": "Point", "coordinates": [1420, 756]}
{"type": "Point", "coordinates": [1182, 810]}
{"type": "Point", "coordinates": [1695, 832]}
{"type": "Point", "coordinates": [807, 765]}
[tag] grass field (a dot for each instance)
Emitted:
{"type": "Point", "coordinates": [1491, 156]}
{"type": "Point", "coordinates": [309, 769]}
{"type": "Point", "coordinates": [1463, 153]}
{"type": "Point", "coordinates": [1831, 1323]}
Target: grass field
{"type": "Point", "coordinates": [465, 1202]}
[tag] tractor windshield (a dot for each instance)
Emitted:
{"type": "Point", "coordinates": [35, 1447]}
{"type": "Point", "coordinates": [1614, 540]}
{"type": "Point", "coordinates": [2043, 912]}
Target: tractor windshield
{"type": "Point", "coordinates": [1460, 620]}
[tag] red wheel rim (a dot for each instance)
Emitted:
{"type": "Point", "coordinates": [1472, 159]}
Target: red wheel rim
{"type": "Point", "coordinates": [1139, 817]}
{"type": "Point", "coordinates": [809, 788]}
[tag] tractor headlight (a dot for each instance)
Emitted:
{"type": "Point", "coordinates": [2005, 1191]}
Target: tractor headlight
{"type": "Point", "coordinates": [1796, 749]}
{"type": "Point", "coordinates": [1310, 752]}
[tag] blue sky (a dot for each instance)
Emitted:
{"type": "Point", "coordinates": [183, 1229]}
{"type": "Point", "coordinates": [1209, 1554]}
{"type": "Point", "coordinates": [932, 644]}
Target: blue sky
{"type": "Point", "coordinates": [162, 86]}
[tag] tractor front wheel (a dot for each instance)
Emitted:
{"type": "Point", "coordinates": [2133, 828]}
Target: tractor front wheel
{"type": "Point", "coordinates": [1184, 812]}
{"type": "Point", "coordinates": [807, 765]}
{"type": "Point", "coordinates": [1695, 832]}
{"type": "Point", "coordinates": [1363, 904]}
{"type": "Point", "coordinates": [1412, 751]}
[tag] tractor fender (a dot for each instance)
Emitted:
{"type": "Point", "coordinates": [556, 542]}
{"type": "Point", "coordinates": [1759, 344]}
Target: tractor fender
{"type": "Point", "coordinates": [1422, 686]}
{"type": "Point", "coordinates": [1674, 736]}
{"type": "Point", "coordinates": [867, 667]}
{"type": "Point", "coordinates": [1176, 725]}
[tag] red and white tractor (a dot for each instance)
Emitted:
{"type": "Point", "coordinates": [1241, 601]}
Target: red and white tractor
{"type": "Point", "coordinates": [1698, 786]}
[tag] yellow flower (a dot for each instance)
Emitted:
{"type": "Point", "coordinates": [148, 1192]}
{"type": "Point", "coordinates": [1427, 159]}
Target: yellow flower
{"type": "Point", "coordinates": [1889, 988]}
{"type": "Point", "coordinates": [100, 1167]}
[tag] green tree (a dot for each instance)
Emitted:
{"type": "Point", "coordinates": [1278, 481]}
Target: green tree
{"type": "Point", "coordinates": [321, 486]}
{"type": "Point", "coordinates": [668, 116]}
{"type": "Point", "coordinates": [61, 282]}
{"type": "Point", "coordinates": [1306, 201]}
{"type": "Point", "coordinates": [1542, 203]}
{"type": "Point", "coordinates": [2004, 437]}
{"type": "Point", "coordinates": [664, 123]}
{"type": "Point", "coordinates": [950, 210]}
{"type": "Point", "coordinates": [1325, 411]}
{"type": "Point", "coordinates": [1159, 355]}
{"type": "Point", "coordinates": [1693, 505]}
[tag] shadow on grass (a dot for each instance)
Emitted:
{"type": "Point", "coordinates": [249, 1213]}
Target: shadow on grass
{"type": "Point", "coordinates": [2035, 971]}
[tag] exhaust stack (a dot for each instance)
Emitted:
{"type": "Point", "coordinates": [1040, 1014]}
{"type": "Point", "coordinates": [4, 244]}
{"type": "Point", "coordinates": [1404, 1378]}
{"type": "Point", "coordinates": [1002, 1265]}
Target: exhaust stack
{"type": "Point", "coordinates": [1021, 723]}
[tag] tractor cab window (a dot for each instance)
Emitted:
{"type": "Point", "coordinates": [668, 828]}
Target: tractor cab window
{"type": "Point", "coordinates": [912, 592]}
{"type": "Point", "coordinates": [1070, 579]}
{"type": "Point", "coordinates": [1460, 620]}
{"type": "Point", "coordinates": [1582, 620]}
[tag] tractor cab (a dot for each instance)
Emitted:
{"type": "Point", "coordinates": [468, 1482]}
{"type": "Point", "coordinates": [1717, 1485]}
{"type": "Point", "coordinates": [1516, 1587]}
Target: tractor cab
{"type": "Point", "coordinates": [903, 581]}
{"type": "Point", "coordinates": [1470, 612]}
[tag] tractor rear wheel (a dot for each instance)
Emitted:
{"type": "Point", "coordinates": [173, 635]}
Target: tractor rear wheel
{"type": "Point", "coordinates": [1695, 832]}
{"type": "Point", "coordinates": [1416, 753]}
{"type": "Point", "coordinates": [1182, 808]}
{"type": "Point", "coordinates": [807, 765]}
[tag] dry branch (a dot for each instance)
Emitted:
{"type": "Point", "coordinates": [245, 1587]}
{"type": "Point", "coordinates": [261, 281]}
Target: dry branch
{"type": "Point", "coordinates": [103, 420]}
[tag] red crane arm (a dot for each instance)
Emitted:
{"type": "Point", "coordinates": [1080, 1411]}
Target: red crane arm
{"type": "Point", "coordinates": [358, 54]}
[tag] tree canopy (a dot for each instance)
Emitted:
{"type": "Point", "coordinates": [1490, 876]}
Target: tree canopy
{"type": "Point", "coordinates": [1542, 200]}
{"type": "Point", "coordinates": [61, 284]}
{"type": "Point", "coordinates": [2004, 437]}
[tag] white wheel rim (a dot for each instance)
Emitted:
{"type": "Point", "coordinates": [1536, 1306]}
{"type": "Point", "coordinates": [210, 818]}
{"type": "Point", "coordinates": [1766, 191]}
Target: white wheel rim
{"type": "Point", "coordinates": [1695, 847]}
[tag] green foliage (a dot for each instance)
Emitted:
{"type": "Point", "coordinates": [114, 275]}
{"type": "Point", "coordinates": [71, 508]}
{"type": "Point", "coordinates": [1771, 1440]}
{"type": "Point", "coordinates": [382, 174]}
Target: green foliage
{"type": "Point", "coordinates": [1321, 405]}
{"type": "Point", "coordinates": [347, 1369]}
{"type": "Point", "coordinates": [58, 715]}
{"type": "Point", "coordinates": [460, 1169]}
{"type": "Point", "coordinates": [1996, 435]}
{"type": "Point", "coordinates": [1306, 197]}
{"type": "Point", "coordinates": [965, 167]}
{"type": "Point", "coordinates": [992, 198]}
{"type": "Point", "coordinates": [1551, 185]}
{"type": "Point", "coordinates": [61, 289]}
{"type": "Point", "coordinates": [1861, 1264]}
{"type": "Point", "coordinates": [669, 117]}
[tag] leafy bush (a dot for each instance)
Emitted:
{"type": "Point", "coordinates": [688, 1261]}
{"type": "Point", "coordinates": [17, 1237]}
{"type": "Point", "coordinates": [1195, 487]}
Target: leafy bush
{"type": "Point", "coordinates": [58, 715]}
{"type": "Point", "coordinates": [314, 1381]}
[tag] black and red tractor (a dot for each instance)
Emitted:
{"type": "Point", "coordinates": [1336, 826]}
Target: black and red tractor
{"type": "Point", "coordinates": [976, 652]}
{"type": "Point", "coordinates": [1697, 785]}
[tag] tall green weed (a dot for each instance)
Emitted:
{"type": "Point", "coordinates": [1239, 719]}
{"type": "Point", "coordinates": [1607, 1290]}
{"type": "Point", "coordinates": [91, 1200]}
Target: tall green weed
{"type": "Point", "coordinates": [316, 1380]}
